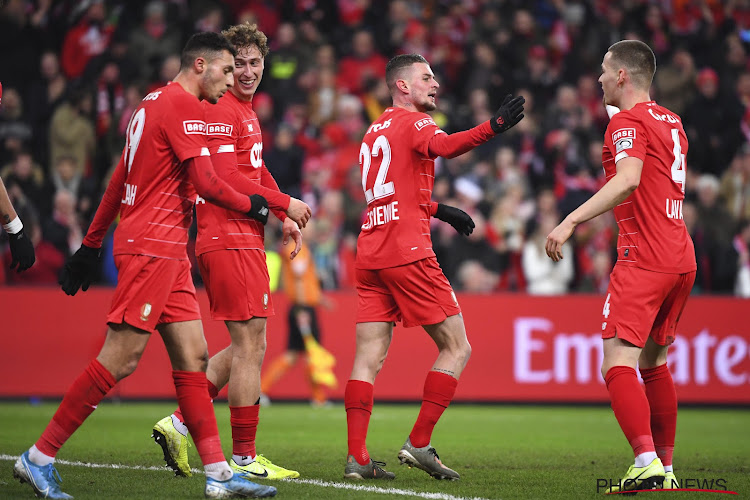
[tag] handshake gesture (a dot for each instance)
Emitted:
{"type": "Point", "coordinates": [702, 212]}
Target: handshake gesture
{"type": "Point", "coordinates": [508, 114]}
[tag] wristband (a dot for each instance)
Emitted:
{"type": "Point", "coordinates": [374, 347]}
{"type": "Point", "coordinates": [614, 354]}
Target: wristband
{"type": "Point", "coordinates": [14, 226]}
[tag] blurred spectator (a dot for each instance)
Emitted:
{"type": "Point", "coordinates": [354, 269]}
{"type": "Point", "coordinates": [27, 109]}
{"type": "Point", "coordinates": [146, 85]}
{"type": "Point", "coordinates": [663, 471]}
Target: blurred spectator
{"type": "Point", "coordinates": [15, 129]}
{"type": "Point", "coordinates": [362, 65]}
{"type": "Point", "coordinates": [72, 131]}
{"type": "Point", "coordinates": [283, 63]}
{"type": "Point", "coordinates": [63, 230]}
{"type": "Point", "coordinates": [87, 39]}
{"type": "Point", "coordinates": [474, 278]}
{"type": "Point", "coordinates": [19, 44]}
{"type": "Point", "coordinates": [718, 228]}
{"type": "Point", "coordinates": [712, 125]}
{"type": "Point", "coordinates": [44, 96]}
{"type": "Point", "coordinates": [735, 185]}
{"type": "Point", "coordinates": [543, 276]}
{"type": "Point", "coordinates": [24, 180]}
{"type": "Point", "coordinates": [154, 40]}
{"type": "Point", "coordinates": [284, 161]}
{"type": "Point", "coordinates": [674, 82]}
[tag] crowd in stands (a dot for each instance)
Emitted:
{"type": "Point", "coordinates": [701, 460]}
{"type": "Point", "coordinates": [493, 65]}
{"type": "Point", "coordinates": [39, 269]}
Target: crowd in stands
{"type": "Point", "coordinates": [73, 71]}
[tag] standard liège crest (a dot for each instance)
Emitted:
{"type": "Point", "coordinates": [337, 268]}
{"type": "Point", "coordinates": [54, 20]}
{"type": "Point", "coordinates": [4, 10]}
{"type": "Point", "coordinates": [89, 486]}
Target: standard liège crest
{"type": "Point", "coordinates": [145, 311]}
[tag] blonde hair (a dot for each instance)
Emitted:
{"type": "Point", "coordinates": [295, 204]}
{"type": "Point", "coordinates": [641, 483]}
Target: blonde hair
{"type": "Point", "coordinates": [247, 35]}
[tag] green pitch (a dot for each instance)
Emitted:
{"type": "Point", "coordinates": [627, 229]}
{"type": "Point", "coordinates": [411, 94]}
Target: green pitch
{"type": "Point", "coordinates": [500, 451]}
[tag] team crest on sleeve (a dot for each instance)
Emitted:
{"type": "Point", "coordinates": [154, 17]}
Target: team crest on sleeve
{"type": "Point", "coordinates": [623, 139]}
{"type": "Point", "coordinates": [420, 124]}
{"type": "Point", "coordinates": [196, 127]}
{"type": "Point", "coordinates": [219, 129]}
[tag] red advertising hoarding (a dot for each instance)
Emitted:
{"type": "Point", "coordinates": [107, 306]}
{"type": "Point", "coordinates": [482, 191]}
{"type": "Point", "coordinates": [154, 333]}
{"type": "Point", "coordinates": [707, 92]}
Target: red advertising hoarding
{"type": "Point", "coordinates": [523, 349]}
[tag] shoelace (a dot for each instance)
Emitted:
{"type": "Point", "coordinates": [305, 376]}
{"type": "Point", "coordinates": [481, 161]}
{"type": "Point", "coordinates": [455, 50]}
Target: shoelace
{"type": "Point", "coordinates": [52, 476]}
{"type": "Point", "coordinates": [378, 464]}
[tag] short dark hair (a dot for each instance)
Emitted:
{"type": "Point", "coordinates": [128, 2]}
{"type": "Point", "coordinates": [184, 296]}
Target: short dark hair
{"type": "Point", "coordinates": [206, 44]}
{"type": "Point", "coordinates": [246, 35]}
{"type": "Point", "coordinates": [637, 58]}
{"type": "Point", "coordinates": [395, 67]}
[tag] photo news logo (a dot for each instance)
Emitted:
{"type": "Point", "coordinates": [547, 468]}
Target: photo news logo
{"type": "Point", "coordinates": [630, 486]}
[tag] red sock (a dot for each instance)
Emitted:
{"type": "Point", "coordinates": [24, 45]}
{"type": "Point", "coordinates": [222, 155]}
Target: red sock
{"type": "Point", "coordinates": [663, 401]}
{"type": "Point", "coordinates": [212, 393]}
{"type": "Point", "coordinates": [244, 420]}
{"type": "Point", "coordinates": [439, 389]}
{"type": "Point", "coordinates": [79, 402]}
{"type": "Point", "coordinates": [358, 400]}
{"type": "Point", "coordinates": [192, 397]}
{"type": "Point", "coordinates": [631, 407]}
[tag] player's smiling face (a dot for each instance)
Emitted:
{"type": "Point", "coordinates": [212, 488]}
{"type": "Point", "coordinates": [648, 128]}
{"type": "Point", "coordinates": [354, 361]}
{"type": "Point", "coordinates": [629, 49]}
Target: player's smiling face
{"type": "Point", "coordinates": [423, 87]}
{"type": "Point", "coordinates": [608, 80]}
{"type": "Point", "coordinates": [217, 78]}
{"type": "Point", "coordinates": [248, 72]}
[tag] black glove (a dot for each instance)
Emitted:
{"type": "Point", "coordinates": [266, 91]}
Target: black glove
{"type": "Point", "coordinates": [258, 208]}
{"type": "Point", "coordinates": [21, 251]}
{"type": "Point", "coordinates": [508, 114]}
{"type": "Point", "coordinates": [80, 269]}
{"type": "Point", "coordinates": [460, 220]}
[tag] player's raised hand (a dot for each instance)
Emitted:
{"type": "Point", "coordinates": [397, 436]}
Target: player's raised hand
{"type": "Point", "coordinates": [460, 220]}
{"type": "Point", "coordinates": [21, 251]}
{"type": "Point", "coordinates": [290, 229]}
{"type": "Point", "coordinates": [80, 270]}
{"type": "Point", "coordinates": [299, 212]}
{"type": "Point", "coordinates": [508, 114]}
{"type": "Point", "coordinates": [557, 238]}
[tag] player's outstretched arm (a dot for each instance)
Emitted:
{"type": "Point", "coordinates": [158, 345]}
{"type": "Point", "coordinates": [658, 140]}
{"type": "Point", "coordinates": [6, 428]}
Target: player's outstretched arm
{"type": "Point", "coordinates": [615, 191]}
{"type": "Point", "coordinates": [460, 220]}
{"type": "Point", "coordinates": [215, 190]}
{"type": "Point", "coordinates": [21, 248]}
{"type": "Point", "coordinates": [507, 116]}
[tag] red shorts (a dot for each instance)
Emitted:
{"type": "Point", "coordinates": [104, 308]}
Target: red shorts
{"type": "Point", "coordinates": [642, 304]}
{"type": "Point", "coordinates": [237, 284]}
{"type": "Point", "coordinates": [151, 291]}
{"type": "Point", "coordinates": [417, 294]}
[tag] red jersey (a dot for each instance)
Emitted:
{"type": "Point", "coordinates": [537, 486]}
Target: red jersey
{"type": "Point", "coordinates": [235, 143]}
{"type": "Point", "coordinates": [397, 176]}
{"type": "Point", "coordinates": [652, 235]}
{"type": "Point", "coordinates": [156, 211]}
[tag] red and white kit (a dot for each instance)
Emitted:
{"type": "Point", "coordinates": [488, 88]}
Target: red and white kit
{"type": "Point", "coordinates": [655, 266]}
{"type": "Point", "coordinates": [156, 210]}
{"type": "Point", "coordinates": [398, 173]}
{"type": "Point", "coordinates": [230, 245]}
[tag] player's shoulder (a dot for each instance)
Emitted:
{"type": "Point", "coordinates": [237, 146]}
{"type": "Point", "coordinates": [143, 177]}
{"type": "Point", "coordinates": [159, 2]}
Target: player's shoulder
{"type": "Point", "coordinates": [224, 110]}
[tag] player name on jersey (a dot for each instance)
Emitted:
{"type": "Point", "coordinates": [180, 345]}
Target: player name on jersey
{"type": "Point", "coordinates": [377, 216]}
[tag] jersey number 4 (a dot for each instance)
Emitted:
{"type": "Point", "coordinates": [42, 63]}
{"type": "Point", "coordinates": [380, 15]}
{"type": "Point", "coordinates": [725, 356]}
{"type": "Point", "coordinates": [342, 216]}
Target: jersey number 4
{"type": "Point", "coordinates": [678, 165]}
{"type": "Point", "coordinates": [380, 189]}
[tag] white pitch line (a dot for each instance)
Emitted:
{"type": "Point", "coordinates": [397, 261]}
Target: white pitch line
{"type": "Point", "coordinates": [314, 482]}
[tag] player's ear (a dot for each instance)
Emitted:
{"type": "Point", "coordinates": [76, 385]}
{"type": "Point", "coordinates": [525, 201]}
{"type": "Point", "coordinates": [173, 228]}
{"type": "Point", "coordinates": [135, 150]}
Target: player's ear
{"type": "Point", "coordinates": [403, 86]}
{"type": "Point", "coordinates": [199, 64]}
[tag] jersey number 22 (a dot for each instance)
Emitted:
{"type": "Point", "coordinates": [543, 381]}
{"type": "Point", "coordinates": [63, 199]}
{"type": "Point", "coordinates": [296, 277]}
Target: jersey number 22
{"type": "Point", "coordinates": [380, 189]}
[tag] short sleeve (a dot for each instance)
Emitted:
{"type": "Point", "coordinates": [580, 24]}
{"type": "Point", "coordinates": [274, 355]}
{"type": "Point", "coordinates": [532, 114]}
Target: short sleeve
{"type": "Point", "coordinates": [628, 135]}
{"type": "Point", "coordinates": [185, 127]}
{"type": "Point", "coordinates": [221, 129]}
{"type": "Point", "coordinates": [423, 130]}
